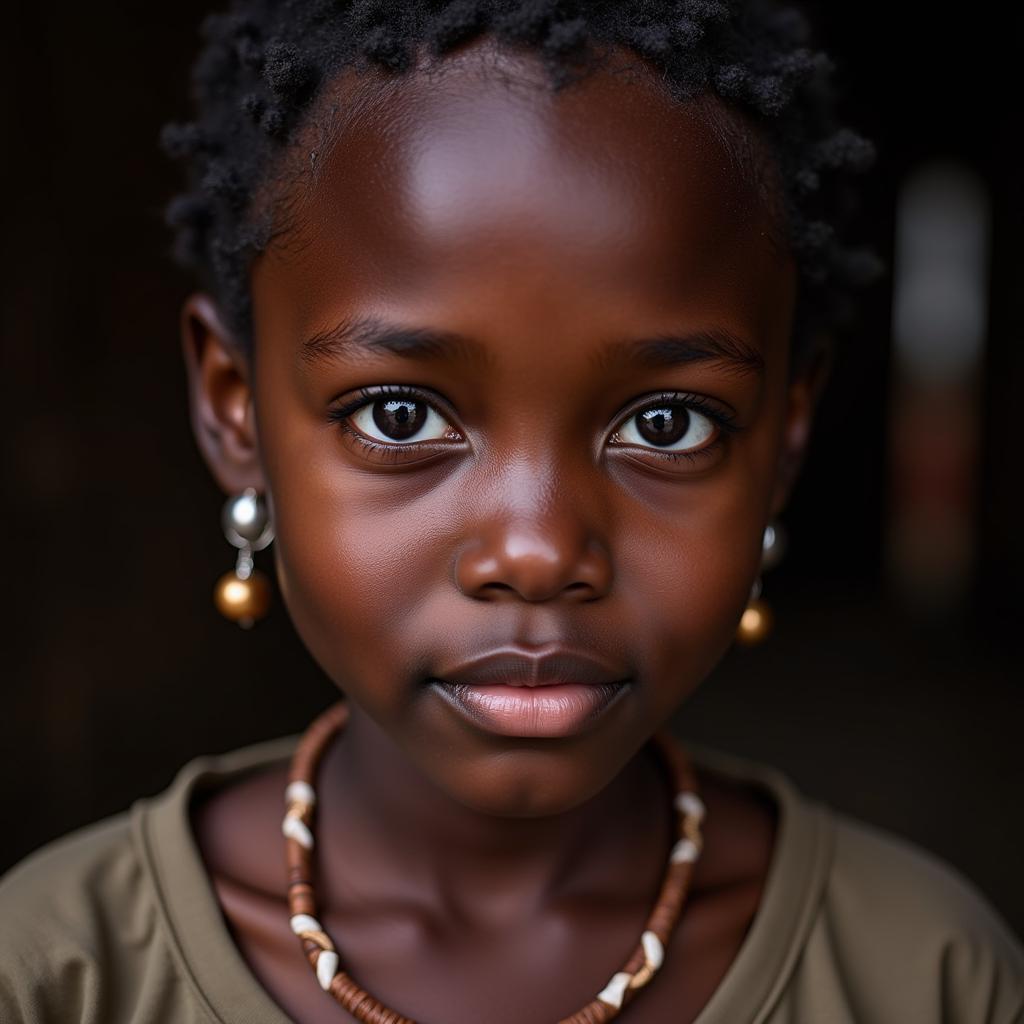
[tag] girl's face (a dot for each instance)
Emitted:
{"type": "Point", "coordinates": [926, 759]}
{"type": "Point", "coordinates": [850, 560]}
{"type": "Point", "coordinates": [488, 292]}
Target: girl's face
{"type": "Point", "coordinates": [568, 324]}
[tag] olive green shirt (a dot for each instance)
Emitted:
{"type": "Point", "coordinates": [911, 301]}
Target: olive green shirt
{"type": "Point", "coordinates": [117, 923]}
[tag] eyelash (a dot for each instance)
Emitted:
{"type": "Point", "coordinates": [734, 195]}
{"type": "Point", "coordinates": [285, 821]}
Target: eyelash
{"type": "Point", "coordinates": [724, 421]}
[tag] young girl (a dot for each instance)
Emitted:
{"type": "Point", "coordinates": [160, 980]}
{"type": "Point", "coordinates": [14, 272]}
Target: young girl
{"type": "Point", "coordinates": [513, 321]}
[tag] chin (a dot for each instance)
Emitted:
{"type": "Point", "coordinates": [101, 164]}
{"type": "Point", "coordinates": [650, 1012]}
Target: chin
{"type": "Point", "coordinates": [528, 780]}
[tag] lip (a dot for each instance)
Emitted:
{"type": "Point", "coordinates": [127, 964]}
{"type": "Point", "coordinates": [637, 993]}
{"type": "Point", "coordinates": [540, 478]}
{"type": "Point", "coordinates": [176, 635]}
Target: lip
{"type": "Point", "coordinates": [563, 709]}
{"type": "Point", "coordinates": [558, 691]}
{"type": "Point", "coordinates": [547, 666]}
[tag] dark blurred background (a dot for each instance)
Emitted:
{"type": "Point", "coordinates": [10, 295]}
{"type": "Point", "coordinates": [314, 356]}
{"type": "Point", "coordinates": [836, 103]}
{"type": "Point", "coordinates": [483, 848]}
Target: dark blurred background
{"type": "Point", "coordinates": [891, 685]}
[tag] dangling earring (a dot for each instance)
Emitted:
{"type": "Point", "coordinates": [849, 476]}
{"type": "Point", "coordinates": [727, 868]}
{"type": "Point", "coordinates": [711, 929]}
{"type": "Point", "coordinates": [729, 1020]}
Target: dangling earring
{"type": "Point", "coordinates": [757, 619]}
{"type": "Point", "coordinates": [244, 594]}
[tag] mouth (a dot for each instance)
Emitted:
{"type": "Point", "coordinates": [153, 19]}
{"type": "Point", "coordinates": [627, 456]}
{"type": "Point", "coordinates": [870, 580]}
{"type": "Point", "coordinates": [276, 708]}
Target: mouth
{"type": "Point", "coordinates": [550, 710]}
{"type": "Point", "coordinates": [547, 692]}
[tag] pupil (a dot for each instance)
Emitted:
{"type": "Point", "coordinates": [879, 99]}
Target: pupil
{"type": "Point", "coordinates": [665, 425]}
{"type": "Point", "coordinates": [399, 419]}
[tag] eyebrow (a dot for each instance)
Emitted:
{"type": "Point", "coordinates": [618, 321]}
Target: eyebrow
{"type": "Point", "coordinates": [714, 345]}
{"type": "Point", "coordinates": [370, 334]}
{"type": "Point", "coordinates": [362, 334]}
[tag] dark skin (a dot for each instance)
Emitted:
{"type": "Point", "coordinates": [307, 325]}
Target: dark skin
{"type": "Point", "coordinates": [454, 863]}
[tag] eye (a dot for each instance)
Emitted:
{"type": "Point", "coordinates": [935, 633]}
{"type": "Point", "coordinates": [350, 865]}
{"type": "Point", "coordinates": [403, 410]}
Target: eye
{"type": "Point", "coordinates": [397, 415]}
{"type": "Point", "coordinates": [669, 426]}
{"type": "Point", "coordinates": [387, 419]}
{"type": "Point", "coordinates": [676, 426]}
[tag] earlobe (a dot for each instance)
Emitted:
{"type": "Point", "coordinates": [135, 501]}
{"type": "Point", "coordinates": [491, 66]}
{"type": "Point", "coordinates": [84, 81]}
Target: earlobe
{"type": "Point", "coordinates": [220, 396]}
{"type": "Point", "coordinates": [803, 393]}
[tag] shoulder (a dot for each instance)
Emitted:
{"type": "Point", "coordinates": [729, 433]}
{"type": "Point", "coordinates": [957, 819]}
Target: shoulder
{"type": "Point", "coordinates": [83, 937]}
{"type": "Point", "coordinates": [60, 909]}
{"type": "Point", "coordinates": [904, 921]}
{"type": "Point", "coordinates": [913, 890]}
{"type": "Point", "coordinates": [95, 926]}
{"type": "Point", "coordinates": [881, 929]}
{"type": "Point", "coordinates": [69, 882]}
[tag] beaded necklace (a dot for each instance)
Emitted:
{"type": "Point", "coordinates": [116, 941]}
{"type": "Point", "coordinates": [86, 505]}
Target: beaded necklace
{"type": "Point", "coordinates": [646, 958]}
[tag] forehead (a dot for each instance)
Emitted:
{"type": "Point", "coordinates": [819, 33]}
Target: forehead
{"type": "Point", "coordinates": [473, 170]}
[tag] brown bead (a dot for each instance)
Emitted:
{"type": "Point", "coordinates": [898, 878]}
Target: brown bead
{"type": "Point", "coordinates": [297, 858]}
{"type": "Point", "coordinates": [242, 600]}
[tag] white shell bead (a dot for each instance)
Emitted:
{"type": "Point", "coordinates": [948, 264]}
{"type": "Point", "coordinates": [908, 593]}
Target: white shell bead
{"type": "Point", "coordinates": [326, 968]}
{"type": "Point", "coordinates": [654, 952]}
{"type": "Point", "coordinates": [301, 791]}
{"type": "Point", "coordinates": [684, 850]}
{"type": "Point", "coordinates": [295, 829]}
{"type": "Point", "coordinates": [691, 804]}
{"type": "Point", "coordinates": [613, 992]}
{"type": "Point", "coordinates": [305, 923]}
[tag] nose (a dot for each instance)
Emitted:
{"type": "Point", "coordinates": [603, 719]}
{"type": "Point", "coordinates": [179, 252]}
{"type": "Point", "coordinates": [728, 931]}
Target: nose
{"type": "Point", "coordinates": [545, 542]}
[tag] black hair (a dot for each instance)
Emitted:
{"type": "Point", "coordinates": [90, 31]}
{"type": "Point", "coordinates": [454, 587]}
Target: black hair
{"type": "Point", "coordinates": [264, 62]}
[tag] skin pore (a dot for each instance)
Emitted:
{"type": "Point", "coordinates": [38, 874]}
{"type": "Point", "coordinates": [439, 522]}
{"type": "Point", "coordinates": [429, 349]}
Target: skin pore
{"type": "Point", "coordinates": [539, 239]}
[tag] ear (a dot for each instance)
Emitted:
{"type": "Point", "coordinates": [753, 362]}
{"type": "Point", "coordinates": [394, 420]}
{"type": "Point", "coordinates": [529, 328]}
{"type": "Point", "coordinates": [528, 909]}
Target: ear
{"type": "Point", "coordinates": [803, 392]}
{"type": "Point", "coordinates": [220, 396]}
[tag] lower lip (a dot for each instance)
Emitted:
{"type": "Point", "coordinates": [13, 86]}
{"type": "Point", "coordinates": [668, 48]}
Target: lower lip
{"type": "Point", "coordinates": [564, 709]}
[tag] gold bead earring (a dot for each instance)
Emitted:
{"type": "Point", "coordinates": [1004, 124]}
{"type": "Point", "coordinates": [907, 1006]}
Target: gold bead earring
{"type": "Point", "coordinates": [757, 619]}
{"type": "Point", "coordinates": [243, 595]}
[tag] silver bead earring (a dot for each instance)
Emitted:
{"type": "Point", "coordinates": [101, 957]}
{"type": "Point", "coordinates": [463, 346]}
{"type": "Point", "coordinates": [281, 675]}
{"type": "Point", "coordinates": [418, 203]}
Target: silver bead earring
{"type": "Point", "coordinates": [757, 619]}
{"type": "Point", "coordinates": [243, 594]}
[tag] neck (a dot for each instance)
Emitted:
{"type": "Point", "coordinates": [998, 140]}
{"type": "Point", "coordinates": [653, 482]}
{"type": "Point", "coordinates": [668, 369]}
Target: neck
{"type": "Point", "coordinates": [387, 834]}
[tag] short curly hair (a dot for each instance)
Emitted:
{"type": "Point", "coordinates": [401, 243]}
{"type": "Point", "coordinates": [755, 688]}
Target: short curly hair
{"type": "Point", "coordinates": [264, 62]}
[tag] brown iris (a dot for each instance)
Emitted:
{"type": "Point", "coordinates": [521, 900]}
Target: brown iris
{"type": "Point", "coordinates": [663, 425]}
{"type": "Point", "coordinates": [399, 418]}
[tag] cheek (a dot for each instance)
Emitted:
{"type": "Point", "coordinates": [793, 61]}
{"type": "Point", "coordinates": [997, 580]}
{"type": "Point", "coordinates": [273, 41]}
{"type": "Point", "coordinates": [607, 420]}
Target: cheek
{"type": "Point", "coordinates": [354, 574]}
{"type": "Point", "coordinates": [688, 560]}
{"type": "Point", "coordinates": [689, 581]}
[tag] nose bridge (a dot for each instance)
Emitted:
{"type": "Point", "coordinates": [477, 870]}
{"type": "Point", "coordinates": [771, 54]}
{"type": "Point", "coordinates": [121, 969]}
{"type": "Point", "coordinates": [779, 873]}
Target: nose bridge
{"type": "Point", "coordinates": [538, 530]}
